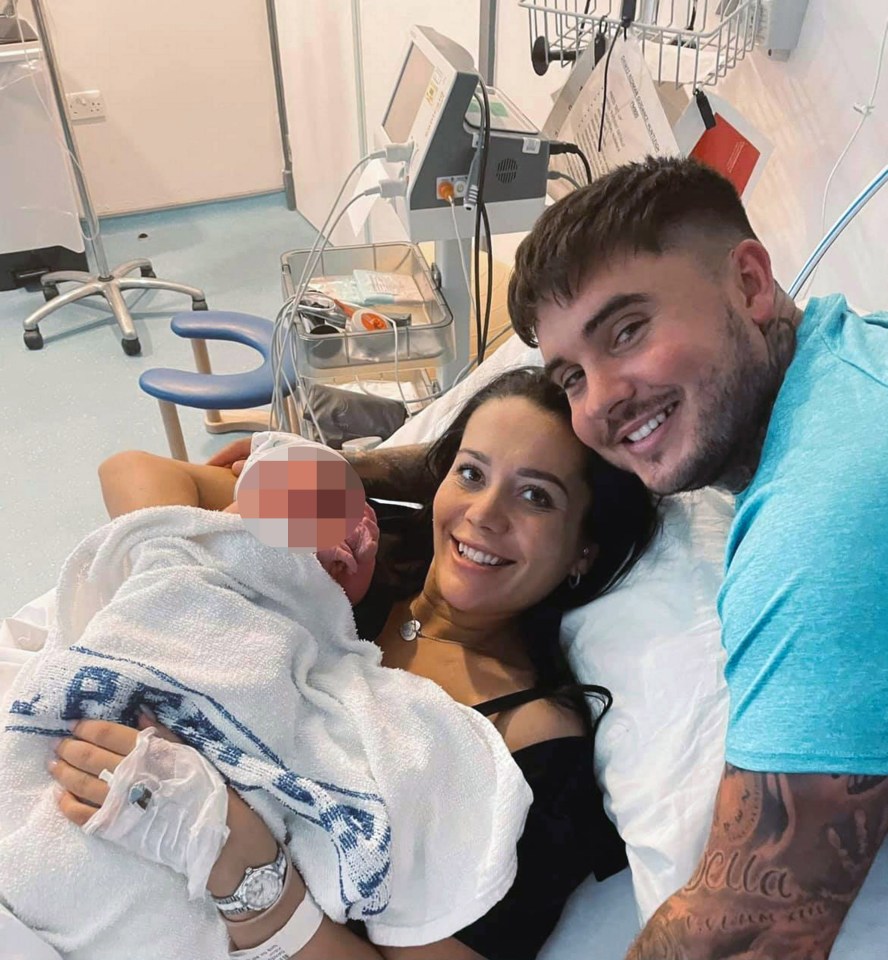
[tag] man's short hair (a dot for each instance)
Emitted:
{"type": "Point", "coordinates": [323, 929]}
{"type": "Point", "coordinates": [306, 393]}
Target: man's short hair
{"type": "Point", "coordinates": [657, 204]}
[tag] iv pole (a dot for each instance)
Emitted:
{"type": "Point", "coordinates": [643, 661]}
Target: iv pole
{"type": "Point", "coordinates": [107, 282]}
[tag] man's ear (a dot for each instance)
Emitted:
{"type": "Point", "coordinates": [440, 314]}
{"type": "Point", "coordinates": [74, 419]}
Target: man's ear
{"type": "Point", "coordinates": [585, 560]}
{"type": "Point", "coordinates": [754, 281]}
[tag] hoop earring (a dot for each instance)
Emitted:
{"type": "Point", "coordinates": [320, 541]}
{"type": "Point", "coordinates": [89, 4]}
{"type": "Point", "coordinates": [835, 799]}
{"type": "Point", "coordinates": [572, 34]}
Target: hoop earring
{"type": "Point", "coordinates": [573, 581]}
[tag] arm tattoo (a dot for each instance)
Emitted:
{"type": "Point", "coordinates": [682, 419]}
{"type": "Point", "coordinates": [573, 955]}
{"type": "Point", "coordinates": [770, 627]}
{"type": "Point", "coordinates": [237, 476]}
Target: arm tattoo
{"type": "Point", "coordinates": [396, 473]}
{"type": "Point", "coordinates": [785, 859]}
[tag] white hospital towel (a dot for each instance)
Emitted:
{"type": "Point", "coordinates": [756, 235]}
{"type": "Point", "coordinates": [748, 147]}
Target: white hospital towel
{"type": "Point", "coordinates": [404, 808]}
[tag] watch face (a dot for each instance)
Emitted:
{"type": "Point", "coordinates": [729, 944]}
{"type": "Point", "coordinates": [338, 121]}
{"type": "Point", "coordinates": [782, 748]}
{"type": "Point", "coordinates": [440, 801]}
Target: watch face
{"type": "Point", "coordinates": [261, 889]}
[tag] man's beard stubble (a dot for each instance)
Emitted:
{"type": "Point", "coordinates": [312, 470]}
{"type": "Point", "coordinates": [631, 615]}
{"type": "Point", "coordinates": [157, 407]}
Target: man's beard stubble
{"type": "Point", "coordinates": [736, 401]}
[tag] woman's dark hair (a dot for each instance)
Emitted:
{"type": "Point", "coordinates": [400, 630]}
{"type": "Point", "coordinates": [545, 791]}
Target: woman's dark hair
{"type": "Point", "coordinates": [621, 521]}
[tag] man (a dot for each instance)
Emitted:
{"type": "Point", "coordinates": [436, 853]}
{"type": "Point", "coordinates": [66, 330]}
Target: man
{"type": "Point", "coordinates": [655, 307]}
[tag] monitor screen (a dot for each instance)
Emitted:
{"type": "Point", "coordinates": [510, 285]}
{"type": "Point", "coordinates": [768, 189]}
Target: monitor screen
{"type": "Point", "coordinates": [412, 85]}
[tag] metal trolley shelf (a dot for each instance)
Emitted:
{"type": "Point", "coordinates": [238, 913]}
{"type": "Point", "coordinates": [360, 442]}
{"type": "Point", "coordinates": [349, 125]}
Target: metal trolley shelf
{"type": "Point", "coordinates": [427, 340]}
{"type": "Point", "coordinates": [692, 42]}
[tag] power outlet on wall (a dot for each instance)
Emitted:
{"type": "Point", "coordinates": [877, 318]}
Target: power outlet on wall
{"type": "Point", "coordinates": [86, 105]}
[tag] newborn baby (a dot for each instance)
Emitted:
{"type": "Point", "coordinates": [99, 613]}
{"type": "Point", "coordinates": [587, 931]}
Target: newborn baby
{"type": "Point", "coordinates": [301, 495]}
{"type": "Point", "coordinates": [245, 648]}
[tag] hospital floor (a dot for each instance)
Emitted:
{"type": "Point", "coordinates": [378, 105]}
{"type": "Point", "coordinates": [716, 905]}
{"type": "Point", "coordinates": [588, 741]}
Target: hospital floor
{"type": "Point", "coordinates": [66, 408]}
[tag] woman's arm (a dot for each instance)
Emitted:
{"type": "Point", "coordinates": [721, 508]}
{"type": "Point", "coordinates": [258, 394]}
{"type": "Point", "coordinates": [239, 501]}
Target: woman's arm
{"type": "Point", "coordinates": [97, 745]}
{"type": "Point", "coordinates": [133, 479]}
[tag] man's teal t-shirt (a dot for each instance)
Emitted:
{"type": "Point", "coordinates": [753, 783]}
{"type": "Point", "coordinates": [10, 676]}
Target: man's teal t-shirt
{"type": "Point", "coordinates": [804, 605]}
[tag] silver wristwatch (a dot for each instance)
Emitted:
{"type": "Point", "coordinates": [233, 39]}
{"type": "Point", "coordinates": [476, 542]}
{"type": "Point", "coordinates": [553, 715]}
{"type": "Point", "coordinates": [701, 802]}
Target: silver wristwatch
{"type": "Point", "coordinates": [260, 888]}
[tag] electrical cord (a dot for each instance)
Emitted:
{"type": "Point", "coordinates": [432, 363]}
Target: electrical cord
{"type": "Point", "coordinates": [470, 202]}
{"type": "Point", "coordinates": [482, 341]}
{"type": "Point", "coordinates": [393, 152]}
{"type": "Point", "coordinates": [323, 232]}
{"type": "Point", "coordinates": [607, 61]}
{"type": "Point", "coordinates": [404, 400]}
{"type": "Point", "coordinates": [627, 15]}
{"type": "Point", "coordinates": [480, 213]}
{"type": "Point", "coordinates": [558, 175]}
{"type": "Point", "coordinates": [482, 346]}
{"type": "Point", "coordinates": [811, 265]}
{"type": "Point", "coordinates": [865, 111]}
{"type": "Point", "coordinates": [474, 362]}
{"type": "Point", "coordinates": [283, 342]}
{"type": "Point", "coordinates": [557, 147]}
{"type": "Point", "coordinates": [281, 335]}
{"type": "Point", "coordinates": [462, 261]}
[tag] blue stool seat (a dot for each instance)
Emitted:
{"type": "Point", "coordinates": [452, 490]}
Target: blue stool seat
{"type": "Point", "coordinates": [214, 391]}
{"type": "Point", "coordinates": [210, 391]}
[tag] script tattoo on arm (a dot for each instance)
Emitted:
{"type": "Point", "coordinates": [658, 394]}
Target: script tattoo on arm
{"type": "Point", "coordinates": [396, 473]}
{"type": "Point", "coordinates": [785, 859]}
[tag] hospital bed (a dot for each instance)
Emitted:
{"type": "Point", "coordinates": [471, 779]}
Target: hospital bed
{"type": "Point", "coordinates": [654, 642]}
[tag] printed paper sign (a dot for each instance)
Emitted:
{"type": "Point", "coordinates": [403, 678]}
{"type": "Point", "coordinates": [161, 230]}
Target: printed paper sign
{"type": "Point", "coordinates": [635, 124]}
{"type": "Point", "coordinates": [733, 146]}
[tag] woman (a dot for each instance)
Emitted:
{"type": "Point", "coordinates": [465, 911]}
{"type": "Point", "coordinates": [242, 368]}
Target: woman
{"type": "Point", "coordinates": [526, 523]}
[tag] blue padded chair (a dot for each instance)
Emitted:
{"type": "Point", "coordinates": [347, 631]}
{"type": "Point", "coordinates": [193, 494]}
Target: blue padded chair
{"type": "Point", "coordinates": [208, 391]}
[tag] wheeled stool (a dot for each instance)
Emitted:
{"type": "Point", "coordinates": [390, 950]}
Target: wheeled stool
{"type": "Point", "coordinates": [110, 287]}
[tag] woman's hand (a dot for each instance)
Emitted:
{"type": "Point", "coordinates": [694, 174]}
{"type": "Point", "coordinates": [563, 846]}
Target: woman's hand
{"type": "Point", "coordinates": [94, 746]}
{"type": "Point", "coordinates": [97, 745]}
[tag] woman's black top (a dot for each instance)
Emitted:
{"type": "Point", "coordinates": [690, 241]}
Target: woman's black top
{"type": "Point", "coordinates": [566, 837]}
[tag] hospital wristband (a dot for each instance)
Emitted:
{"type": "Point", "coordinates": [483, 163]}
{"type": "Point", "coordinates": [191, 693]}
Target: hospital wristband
{"type": "Point", "coordinates": [291, 938]}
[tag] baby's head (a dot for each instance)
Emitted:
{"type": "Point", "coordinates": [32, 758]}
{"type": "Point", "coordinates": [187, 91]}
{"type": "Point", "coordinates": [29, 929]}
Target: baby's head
{"type": "Point", "coordinates": [301, 495]}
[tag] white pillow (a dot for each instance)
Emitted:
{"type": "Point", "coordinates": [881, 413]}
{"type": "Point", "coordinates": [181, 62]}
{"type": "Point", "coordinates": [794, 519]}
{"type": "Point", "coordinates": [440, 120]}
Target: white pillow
{"type": "Point", "coordinates": [431, 422]}
{"type": "Point", "coordinates": [655, 643]}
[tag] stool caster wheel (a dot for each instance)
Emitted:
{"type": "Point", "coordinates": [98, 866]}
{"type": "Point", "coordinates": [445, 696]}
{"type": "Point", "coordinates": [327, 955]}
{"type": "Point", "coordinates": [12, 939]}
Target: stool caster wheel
{"type": "Point", "coordinates": [132, 348]}
{"type": "Point", "coordinates": [33, 339]}
{"type": "Point", "coordinates": [50, 291]}
{"type": "Point", "coordinates": [148, 272]}
{"type": "Point", "coordinates": [199, 305]}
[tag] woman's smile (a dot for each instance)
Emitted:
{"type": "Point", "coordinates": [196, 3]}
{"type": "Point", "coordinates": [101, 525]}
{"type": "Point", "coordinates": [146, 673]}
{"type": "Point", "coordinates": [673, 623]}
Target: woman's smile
{"type": "Point", "coordinates": [476, 559]}
{"type": "Point", "coordinates": [514, 494]}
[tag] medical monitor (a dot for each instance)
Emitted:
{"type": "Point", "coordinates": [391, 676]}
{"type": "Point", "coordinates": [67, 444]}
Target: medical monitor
{"type": "Point", "coordinates": [409, 91]}
{"type": "Point", "coordinates": [435, 106]}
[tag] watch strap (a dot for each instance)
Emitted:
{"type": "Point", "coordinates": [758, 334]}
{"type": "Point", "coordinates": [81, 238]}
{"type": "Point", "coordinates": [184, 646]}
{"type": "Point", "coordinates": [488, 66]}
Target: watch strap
{"type": "Point", "coordinates": [234, 903]}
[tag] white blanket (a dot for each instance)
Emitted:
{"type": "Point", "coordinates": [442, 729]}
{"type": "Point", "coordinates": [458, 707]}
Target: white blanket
{"type": "Point", "coordinates": [251, 655]}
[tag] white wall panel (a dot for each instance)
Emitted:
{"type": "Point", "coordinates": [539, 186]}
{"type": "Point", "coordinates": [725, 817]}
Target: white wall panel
{"type": "Point", "coordinates": [189, 98]}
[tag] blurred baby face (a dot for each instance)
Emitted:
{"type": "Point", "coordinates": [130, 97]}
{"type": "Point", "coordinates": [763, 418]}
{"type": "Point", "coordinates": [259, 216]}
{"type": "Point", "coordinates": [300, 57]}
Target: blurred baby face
{"type": "Point", "coordinates": [300, 498]}
{"type": "Point", "coordinates": [307, 498]}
